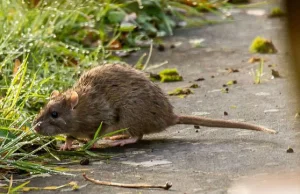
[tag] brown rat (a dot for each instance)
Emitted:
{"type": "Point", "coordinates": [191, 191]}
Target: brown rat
{"type": "Point", "coordinates": [120, 97]}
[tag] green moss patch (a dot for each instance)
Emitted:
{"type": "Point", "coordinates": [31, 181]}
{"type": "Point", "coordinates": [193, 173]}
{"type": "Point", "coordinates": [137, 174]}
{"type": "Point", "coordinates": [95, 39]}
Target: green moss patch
{"type": "Point", "coordinates": [181, 92]}
{"type": "Point", "coordinates": [169, 75]}
{"type": "Point", "coordinates": [276, 12]}
{"type": "Point", "coordinates": [262, 45]}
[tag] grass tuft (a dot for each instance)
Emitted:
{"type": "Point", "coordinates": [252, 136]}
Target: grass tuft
{"type": "Point", "coordinates": [262, 45]}
{"type": "Point", "coordinates": [46, 45]}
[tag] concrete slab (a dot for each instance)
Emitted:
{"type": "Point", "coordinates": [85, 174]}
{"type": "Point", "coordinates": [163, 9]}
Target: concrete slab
{"type": "Point", "coordinates": [208, 161]}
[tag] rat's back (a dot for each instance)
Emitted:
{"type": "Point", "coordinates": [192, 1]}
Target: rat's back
{"type": "Point", "coordinates": [136, 102]}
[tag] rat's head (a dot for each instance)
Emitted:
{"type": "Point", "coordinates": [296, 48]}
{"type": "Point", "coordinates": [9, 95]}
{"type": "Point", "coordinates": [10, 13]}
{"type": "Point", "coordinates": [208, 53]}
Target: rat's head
{"type": "Point", "coordinates": [57, 116]}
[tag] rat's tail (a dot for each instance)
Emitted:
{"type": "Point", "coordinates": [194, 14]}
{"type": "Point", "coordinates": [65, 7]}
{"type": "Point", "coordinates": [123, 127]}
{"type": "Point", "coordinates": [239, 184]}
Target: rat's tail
{"type": "Point", "coordinates": [196, 120]}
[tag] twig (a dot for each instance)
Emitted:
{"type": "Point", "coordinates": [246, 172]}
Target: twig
{"type": "Point", "coordinates": [166, 187]}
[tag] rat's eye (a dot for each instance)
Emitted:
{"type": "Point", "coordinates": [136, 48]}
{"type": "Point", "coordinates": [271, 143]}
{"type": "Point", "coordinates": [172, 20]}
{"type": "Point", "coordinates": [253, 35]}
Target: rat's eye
{"type": "Point", "coordinates": [54, 114]}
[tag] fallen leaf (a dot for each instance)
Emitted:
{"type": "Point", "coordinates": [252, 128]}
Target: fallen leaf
{"type": "Point", "coordinates": [196, 42]}
{"type": "Point", "coordinates": [272, 65]}
{"type": "Point", "coordinates": [290, 150]}
{"type": "Point", "coordinates": [275, 73]}
{"type": "Point", "coordinates": [231, 82]}
{"type": "Point", "coordinates": [115, 45]}
{"type": "Point", "coordinates": [161, 47]}
{"type": "Point", "coordinates": [200, 79]}
{"type": "Point", "coordinates": [194, 86]}
{"type": "Point", "coordinates": [180, 91]}
{"type": "Point", "coordinates": [16, 66]}
{"type": "Point", "coordinates": [255, 60]}
{"type": "Point", "coordinates": [71, 184]}
{"type": "Point", "coordinates": [232, 70]}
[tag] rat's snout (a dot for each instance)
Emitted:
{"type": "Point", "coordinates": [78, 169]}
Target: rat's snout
{"type": "Point", "coordinates": [37, 126]}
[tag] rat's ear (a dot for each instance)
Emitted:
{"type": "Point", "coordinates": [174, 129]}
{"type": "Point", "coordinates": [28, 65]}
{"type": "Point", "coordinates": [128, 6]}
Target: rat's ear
{"type": "Point", "coordinates": [54, 94]}
{"type": "Point", "coordinates": [74, 99]}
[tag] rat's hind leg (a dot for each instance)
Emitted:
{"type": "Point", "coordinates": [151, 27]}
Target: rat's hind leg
{"type": "Point", "coordinates": [123, 142]}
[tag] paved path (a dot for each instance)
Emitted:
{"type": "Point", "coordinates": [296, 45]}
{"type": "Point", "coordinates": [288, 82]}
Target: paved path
{"type": "Point", "coordinates": [208, 161]}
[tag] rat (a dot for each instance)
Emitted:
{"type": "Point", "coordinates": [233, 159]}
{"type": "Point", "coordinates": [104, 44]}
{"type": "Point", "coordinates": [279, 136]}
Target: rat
{"type": "Point", "coordinates": [119, 97]}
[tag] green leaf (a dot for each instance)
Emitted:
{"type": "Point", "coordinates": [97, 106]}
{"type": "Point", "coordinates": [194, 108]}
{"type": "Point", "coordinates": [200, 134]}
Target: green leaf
{"type": "Point", "coordinates": [116, 16]}
{"type": "Point", "coordinates": [127, 27]}
{"type": "Point", "coordinates": [6, 134]}
{"type": "Point", "coordinates": [19, 187]}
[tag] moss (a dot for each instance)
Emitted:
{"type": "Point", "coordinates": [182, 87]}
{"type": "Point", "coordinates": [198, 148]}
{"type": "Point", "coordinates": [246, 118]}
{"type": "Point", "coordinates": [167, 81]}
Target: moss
{"type": "Point", "coordinates": [194, 86]}
{"type": "Point", "coordinates": [262, 45]}
{"type": "Point", "coordinates": [276, 12]}
{"type": "Point", "coordinates": [181, 92]}
{"type": "Point", "coordinates": [171, 78]}
{"type": "Point", "coordinates": [169, 72]}
{"type": "Point", "coordinates": [169, 75]}
{"type": "Point", "coordinates": [231, 82]}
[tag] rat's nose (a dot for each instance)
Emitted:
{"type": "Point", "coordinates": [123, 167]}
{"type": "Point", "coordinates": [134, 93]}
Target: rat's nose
{"type": "Point", "coordinates": [37, 127]}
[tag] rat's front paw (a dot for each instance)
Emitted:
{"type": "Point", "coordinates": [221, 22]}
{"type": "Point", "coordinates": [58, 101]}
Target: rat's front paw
{"type": "Point", "coordinates": [68, 144]}
{"type": "Point", "coordinates": [66, 147]}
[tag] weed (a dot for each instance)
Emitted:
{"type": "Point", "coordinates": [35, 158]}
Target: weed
{"type": "Point", "coordinates": [262, 45]}
{"type": "Point", "coordinates": [259, 72]}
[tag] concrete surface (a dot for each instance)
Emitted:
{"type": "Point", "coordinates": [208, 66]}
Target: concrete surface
{"type": "Point", "coordinates": [210, 160]}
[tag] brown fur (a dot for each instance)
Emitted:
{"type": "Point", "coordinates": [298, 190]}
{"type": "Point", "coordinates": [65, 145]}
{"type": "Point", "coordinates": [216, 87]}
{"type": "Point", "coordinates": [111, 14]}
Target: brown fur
{"type": "Point", "coordinates": [120, 97]}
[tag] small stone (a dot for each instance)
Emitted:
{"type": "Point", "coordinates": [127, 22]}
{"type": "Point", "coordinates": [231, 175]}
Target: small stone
{"type": "Point", "coordinates": [225, 113]}
{"type": "Point", "coordinates": [85, 161]}
{"type": "Point", "coordinates": [212, 76]}
{"type": "Point", "coordinates": [290, 150]}
{"type": "Point", "coordinates": [200, 79]}
{"type": "Point", "coordinates": [196, 130]}
{"type": "Point", "coordinates": [275, 73]}
{"type": "Point", "coordinates": [194, 86]}
{"type": "Point", "coordinates": [172, 46]}
{"type": "Point", "coordinates": [196, 126]}
{"type": "Point", "coordinates": [161, 47]}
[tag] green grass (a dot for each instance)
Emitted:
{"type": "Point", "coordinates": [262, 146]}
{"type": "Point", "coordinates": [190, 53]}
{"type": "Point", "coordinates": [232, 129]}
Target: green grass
{"type": "Point", "coordinates": [47, 46]}
{"type": "Point", "coordinates": [276, 12]}
{"type": "Point", "coordinates": [259, 72]}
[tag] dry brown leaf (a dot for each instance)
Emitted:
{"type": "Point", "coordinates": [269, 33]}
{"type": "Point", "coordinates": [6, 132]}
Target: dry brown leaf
{"type": "Point", "coordinates": [16, 66]}
{"type": "Point", "coordinates": [255, 60]}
